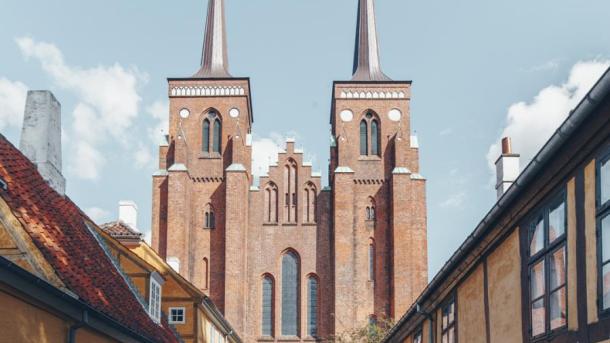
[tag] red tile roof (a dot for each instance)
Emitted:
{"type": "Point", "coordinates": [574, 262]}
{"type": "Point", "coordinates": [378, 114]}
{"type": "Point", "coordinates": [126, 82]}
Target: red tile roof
{"type": "Point", "coordinates": [57, 227]}
{"type": "Point", "coordinates": [120, 230]}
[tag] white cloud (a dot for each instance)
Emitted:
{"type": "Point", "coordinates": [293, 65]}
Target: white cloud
{"type": "Point", "coordinates": [12, 103]}
{"type": "Point", "coordinates": [531, 124]}
{"type": "Point", "coordinates": [546, 66]}
{"type": "Point", "coordinates": [108, 103]}
{"type": "Point", "coordinates": [143, 156]}
{"type": "Point", "coordinates": [159, 111]}
{"type": "Point", "coordinates": [264, 152]}
{"type": "Point", "coordinates": [454, 200]}
{"type": "Point", "coordinates": [98, 215]}
{"type": "Point", "coordinates": [446, 132]}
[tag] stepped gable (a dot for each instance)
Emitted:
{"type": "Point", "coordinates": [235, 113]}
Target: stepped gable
{"type": "Point", "coordinates": [57, 227]}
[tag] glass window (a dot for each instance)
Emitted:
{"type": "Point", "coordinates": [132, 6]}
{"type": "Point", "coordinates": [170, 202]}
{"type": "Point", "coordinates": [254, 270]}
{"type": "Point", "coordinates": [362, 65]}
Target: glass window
{"type": "Point", "coordinates": [312, 307]}
{"type": "Point", "coordinates": [205, 142]}
{"type": "Point", "coordinates": [267, 325]}
{"type": "Point", "coordinates": [217, 136]}
{"type": "Point", "coordinates": [290, 294]}
{"type": "Point", "coordinates": [364, 138]}
{"type": "Point", "coordinates": [374, 138]}
{"type": "Point", "coordinates": [604, 180]}
{"type": "Point", "coordinates": [449, 323]}
{"type": "Point", "coordinates": [418, 337]}
{"type": "Point", "coordinates": [547, 269]}
{"type": "Point", "coordinates": [154, 303]}
{"type": "Point", "coordinates": [603, 220]}
{"type": "Point", "coordinates": [176, 315]}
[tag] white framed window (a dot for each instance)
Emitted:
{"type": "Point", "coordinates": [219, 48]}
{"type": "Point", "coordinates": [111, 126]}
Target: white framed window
{"type": "Point", "coordinates": [177, 315]}
{"type": "Point", "coordinates": [154, 302]}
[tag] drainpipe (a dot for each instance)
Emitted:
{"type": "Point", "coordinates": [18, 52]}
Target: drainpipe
{"type": "Point", "coordinates": [429, 317]}
{"type": "Point", "coordinates": [74, 327]}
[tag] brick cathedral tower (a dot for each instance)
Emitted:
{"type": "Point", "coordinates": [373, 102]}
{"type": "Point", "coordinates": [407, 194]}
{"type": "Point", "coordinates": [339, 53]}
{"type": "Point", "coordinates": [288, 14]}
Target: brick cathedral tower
{"type": "Point", "coordinates": [379, 205]}
{"type": "Point", "coordinates": [289, 260]}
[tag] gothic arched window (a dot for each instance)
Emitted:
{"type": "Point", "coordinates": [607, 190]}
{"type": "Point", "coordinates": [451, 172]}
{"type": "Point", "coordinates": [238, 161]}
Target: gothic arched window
{"type": "Point", "coordinates": [370, 142]}
{"type": "Point", "coordinates": [205, 142]}
{"type": "Point", "coordinates": [271, 203]}
{"type": "Point", "coordinates": [374, 137]}
{"type": "Point", "coordinates": [267, 315]}
{"type": "Point", "coordinates": [312, 306]}
{"type": "Point", "coordinates": [206, 273]}
{"type": "Point", "coordinates": [370, 209]}
{"type": "Point", "coordinates": [290, 294]}
{"type": "Point", "coordinates": [217, 136]}
{"type": "Point", "coordinates": [290, 183]}
{"type": "Point", "coordinates": [364, 138]}
{"type": "Point", "coordinates": [209, 221]}
{"type": "Point", "coordinates": [309, 203]}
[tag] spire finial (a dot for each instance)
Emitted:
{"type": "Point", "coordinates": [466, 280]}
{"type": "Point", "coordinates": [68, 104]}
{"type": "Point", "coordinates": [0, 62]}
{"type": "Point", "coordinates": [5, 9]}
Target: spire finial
{"type": "Point", "coordinates": [214, 61]}
{"type": "Point", "coordinates": [366, 56]}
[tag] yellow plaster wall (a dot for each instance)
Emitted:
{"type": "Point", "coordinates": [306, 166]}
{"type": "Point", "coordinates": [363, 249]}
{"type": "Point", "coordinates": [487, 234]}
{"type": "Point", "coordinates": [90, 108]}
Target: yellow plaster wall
{"type": "Point", "coordinates": [88, 336]}
{"type": "Point", "coordinates": [591, 243]}
{"type": "Point", "coordinates": [471, 308]}
{"type": "Point", "coordinates": [572, 289]}
{"type": "Point", "coordinates": [504, 287]}
{"type": "Point", "coordinates": [188, 328]}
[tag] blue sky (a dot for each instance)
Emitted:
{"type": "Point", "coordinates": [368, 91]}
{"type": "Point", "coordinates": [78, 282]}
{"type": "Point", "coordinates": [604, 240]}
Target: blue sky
{"type": "Point", "coordinates": [480, 69]}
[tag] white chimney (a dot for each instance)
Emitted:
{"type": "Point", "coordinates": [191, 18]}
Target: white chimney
{"type": "Point", "coordinates": [507, 167]}
{"type": "Point", "coordinates": [128, 213]}
{"type": "Point", "coordinates": [41, 137]}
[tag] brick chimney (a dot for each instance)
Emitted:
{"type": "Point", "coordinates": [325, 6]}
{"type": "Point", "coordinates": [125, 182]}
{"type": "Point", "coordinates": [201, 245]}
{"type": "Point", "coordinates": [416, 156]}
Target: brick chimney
{"type": "Point", "coordinates": [41, 137]}
{"type": "Point", "coordinates": [128, 213]}
{"type": "Point", "coordinates": [507, 167]}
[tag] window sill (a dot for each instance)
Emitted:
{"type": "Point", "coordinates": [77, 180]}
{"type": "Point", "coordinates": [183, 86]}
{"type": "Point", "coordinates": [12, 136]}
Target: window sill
{"type": "Point", "coordinates": [549, 336]}
{"type": "Point", "coordinates": [310, 224]}
{"type": "Point", "coordinates": [265, 339]}
{"type": "Point", "coordinates": [289, 339]}
{"type": "Point", "coordinates": [311, 339]}
{"type": "Point", "coordinates": [369, 158]}
{"type": "Point", "coordinates": [289, 224]}
{"type": "Point", "coordinates": [208, 228]}
{"type": "Point", "coordinates": [270, 224]}
{"type": "Point", "coordinates": [212, 156]}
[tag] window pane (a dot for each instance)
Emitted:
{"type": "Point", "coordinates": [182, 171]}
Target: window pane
{"type": "Point", "coordinates": [364, 144]}
{"type": "Point", "coordinates": [444, 340]}
{"type": "Point", "coordinates": [451, 313]}
{"type": "Point", "coordinates": [267, 307]}
{"type": "Point", "coordinates": [374, 138]}
{"type": "Point", "coordinates": [445, 315]}
{"type": "Point", "coordinates": [538, 314]}
{"type": "Point", "coordinates": [451, 334]}
{"type": "Point", "coordinates": [558, 308]}
{"type": "Point", "coordinates": [557, 221]}
{"type": "Point", "coordinates": [537, 286]}
{"type": "Point", "coordinates": [289, 295]}
{"type": "Point", "coordinates": [605, 228]}
{"type": "Point", "coordinates": [217, 135]}
{"type": "Point", "coordinates": [537, 238]}
{"type": "Point", "coordinates": [205, 146]}
{"type": "Point", "coordinates": [313, 307]}
{"type": "Point", "coordinates": [606, 286]}
{"type": "Point", "coordinates": [557, 265]}
{"type": "Point", "coordinates": [604, 179]}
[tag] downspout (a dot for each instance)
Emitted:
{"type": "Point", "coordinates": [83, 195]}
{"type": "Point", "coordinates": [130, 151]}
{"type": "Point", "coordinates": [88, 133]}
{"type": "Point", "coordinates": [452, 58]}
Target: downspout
{"type": "Point", "coordinates": [74, 327]}
{"type": "Point", "coordinates": [429, 317]}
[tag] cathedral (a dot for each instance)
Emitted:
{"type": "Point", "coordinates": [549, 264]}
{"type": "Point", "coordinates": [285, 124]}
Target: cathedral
{"type": "Point", "coordinates": [292, 259]}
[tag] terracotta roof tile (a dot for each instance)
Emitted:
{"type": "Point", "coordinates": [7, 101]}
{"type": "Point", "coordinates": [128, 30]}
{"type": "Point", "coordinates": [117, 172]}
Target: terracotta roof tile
{"type": "Point", "coordinates": [57, 227]}
{"type": "Point", "coordinates": [120, 230]}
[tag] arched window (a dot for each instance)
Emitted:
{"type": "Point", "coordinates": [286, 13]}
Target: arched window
{"type": "Point", "coordinates": [364, 138]}
{"type": "Point", "coordinates": [370, 209]}
{"type": "Point", "coordinates": [209, 221]}
{"type": "Point", "coordinates": [267, 315]}
{"type": "Point", "coordinates": [309, 203]}
{"type": "Point", "coordinates": [205, 140]}
{"type": "Point", "coordinates": [206, 273]}
{"type": "Point", "coordinates": [374, 137]}
{"type": "Point", "coordinates": [271, 203]}
{"type": "Point", "coordinates": [290, 182]}
{"type": "Point", "coordinates": [217, 136]}
{"type": "Point", "coordinates": [312, 306]}
{"type": "Point", "coordinates": [290, 294]}
{"type": "Point", "coordinates": [372, 261]}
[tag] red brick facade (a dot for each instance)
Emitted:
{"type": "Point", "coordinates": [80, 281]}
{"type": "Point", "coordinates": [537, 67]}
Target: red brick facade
{"type": "Point", "coordinates": [376, 203]}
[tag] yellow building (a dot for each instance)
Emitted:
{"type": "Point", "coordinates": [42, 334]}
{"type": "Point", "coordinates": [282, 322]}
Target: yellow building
{"type": "Point", "coordinates": [537, 268]}
{"type": "Point", "coordinates": [187, 308]}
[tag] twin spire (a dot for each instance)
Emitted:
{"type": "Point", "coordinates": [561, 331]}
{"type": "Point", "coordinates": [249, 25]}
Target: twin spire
{"type": "Point", "coordinates": [367, 67]}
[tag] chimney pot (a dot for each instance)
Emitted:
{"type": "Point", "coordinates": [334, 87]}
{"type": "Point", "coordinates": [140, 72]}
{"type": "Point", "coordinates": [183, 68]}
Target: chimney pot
{"type": "Point", "coordinates": [507, 148]}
